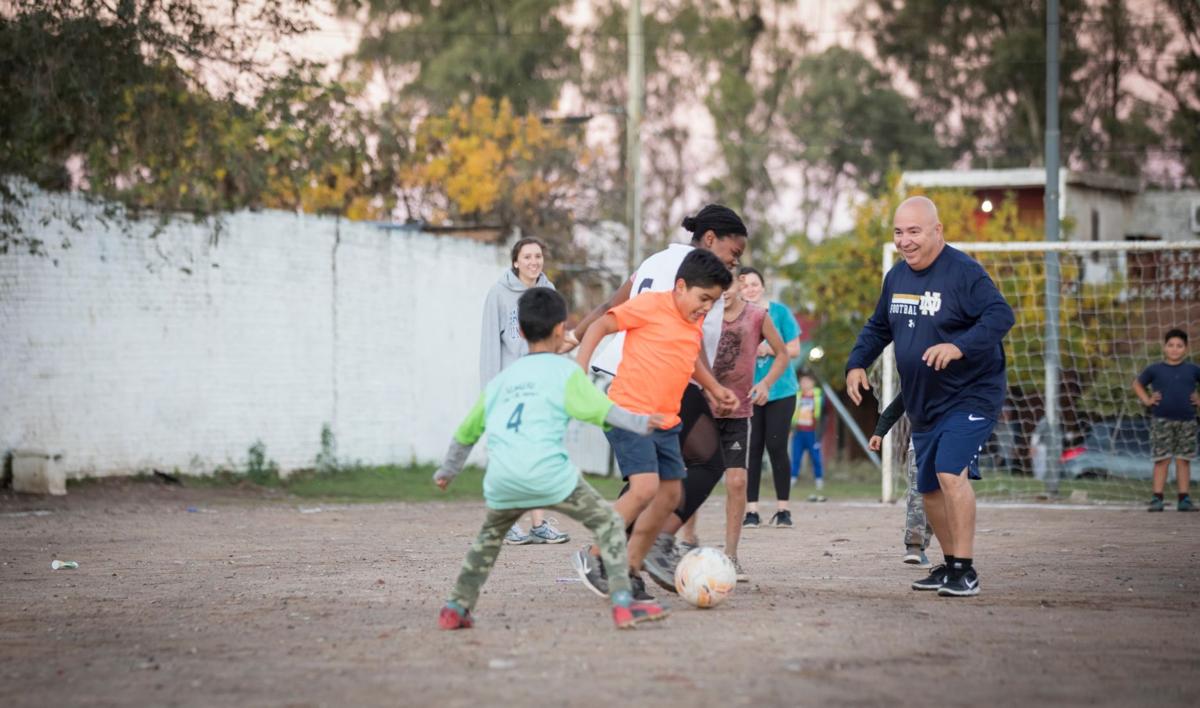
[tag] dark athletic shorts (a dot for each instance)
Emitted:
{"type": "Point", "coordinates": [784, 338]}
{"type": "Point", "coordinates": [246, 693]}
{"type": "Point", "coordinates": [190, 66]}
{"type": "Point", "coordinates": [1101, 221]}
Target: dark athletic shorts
{"type": "Point", "coordinates": [735, 441]}
{"type": "Point", "coordinates": [657, 452]}
{"type": "Point", "coordinates": [950, 446]}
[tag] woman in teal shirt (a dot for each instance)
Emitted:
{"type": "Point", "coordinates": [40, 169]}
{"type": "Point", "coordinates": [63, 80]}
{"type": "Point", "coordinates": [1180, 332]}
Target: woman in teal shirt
{"type": "Point", "coordinates": [772, 422]}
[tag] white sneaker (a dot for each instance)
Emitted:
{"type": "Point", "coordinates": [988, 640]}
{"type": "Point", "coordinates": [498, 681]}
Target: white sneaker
{"type": "Point", "coordinates": [516, 537]}
{"type": "Point", "coordinates": [546, 533]}
{"type": "Point", "coordinates": [742, 575]}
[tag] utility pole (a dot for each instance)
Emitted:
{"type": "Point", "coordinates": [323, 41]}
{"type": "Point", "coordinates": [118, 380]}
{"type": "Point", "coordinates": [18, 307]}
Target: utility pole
{"type": "Point", "coordinates": [633, 138]}
{"type": "Point", "coordinates": [1053, 214]}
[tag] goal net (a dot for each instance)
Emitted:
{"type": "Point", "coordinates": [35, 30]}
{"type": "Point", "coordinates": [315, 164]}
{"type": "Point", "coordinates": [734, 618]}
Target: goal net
{"type": "Point", "coordinates": [1091, 444]}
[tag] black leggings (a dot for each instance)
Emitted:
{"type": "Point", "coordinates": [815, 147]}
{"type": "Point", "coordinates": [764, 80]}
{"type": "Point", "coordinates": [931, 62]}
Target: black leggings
{"type": "Point", "coordinates": [769, 428]}
{"type": "Point", "coordinates": [700, 443]}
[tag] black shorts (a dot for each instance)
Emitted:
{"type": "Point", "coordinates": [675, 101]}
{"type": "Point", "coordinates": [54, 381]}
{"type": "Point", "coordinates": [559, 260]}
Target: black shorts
{"type": "Point", "coordinates": [735, 441]}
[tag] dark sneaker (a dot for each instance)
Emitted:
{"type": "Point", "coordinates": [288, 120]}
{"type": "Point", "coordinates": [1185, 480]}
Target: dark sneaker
{"type": "Point", "coordinates": [782, 519]}
{"type": "Point", "coordinates": [913, 555]}
{"type": "Point", "coordinates": [751, 521]}
{"type": "Point", "coordinates": [637, 588]}
{"type": "Point", "coordinates": [934, 581]}
{"type": "Point", "coordinates": [638, 612]}
{"type": "Point", "coordinates": [591, 571]}
{"type": "Point", "coordinates": [1156, 504]}
{"type": "Point", "coordinates": [660, 562]}
{"type": "Point", "coordinates": [965, 585]}
{"type": "Point", "coordinates": [546, 533]}
{"type": "Point", "coordinates": [449, 618]}
{"type": "Point", "coordinates": [1185, 504]}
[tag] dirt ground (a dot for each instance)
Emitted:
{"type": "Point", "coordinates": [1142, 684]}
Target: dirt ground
{"type": "Point", "coordinates": [226, 597]}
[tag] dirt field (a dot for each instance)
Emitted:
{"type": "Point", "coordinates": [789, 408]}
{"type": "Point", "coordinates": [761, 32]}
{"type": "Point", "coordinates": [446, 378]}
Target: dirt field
{"type": "Point", "coordinates": [258, 601]}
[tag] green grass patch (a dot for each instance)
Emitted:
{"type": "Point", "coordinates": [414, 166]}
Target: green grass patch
{"type": "Point", "coordinates": [415, 484]}
{"type": "Point", "coordinates": [395, 483]}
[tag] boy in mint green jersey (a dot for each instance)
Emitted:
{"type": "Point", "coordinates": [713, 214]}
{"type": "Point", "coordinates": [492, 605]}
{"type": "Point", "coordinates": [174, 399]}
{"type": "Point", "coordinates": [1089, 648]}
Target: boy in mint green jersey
{"type": "Point", "coordinates": [525, 410]}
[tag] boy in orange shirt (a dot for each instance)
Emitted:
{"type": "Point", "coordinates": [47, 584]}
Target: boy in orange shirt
{"type": "Point", "coordinates": [662, 351]}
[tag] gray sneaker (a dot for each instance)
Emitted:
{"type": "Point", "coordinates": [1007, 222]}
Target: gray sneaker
{"type": "Point", "coordinates": [742, 575]}
{"type": "Point", "coordinates": [516, 537]}
{"type": "Point", "coordinates": [546, 533]}
{"type": "Point", "coordinates": [590, 570]}
{"type": "Point", "coordinates": [913, 555]}
{"type": "Point", "coordinates": [686, 547]}
{"type": "Point", "coordinates": [660, 562]}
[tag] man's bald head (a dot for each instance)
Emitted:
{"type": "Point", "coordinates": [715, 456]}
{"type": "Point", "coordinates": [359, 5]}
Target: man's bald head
{"type": "Point", "coordinates": [919, 207]}
{"type": "Point", "coordinates": [917, 232]}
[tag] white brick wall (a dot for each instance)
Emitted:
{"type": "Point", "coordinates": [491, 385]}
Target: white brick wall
{"type": "Point", "coordinates": [112, 353]}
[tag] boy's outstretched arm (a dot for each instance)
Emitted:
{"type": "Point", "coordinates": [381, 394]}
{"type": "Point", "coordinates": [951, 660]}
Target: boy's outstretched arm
{"type": "Point", "coordinates": [583, 401]}
{"type": "Point", "coordinates": [760, 392]}
{"type": "Point", "coordinates": [468, 433]}
{"type": "Point", "coordinates": [598, 331]}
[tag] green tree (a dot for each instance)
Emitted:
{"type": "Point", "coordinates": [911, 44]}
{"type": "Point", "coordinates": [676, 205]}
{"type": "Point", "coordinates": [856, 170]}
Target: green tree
{"type": "Point", "coordinates": [849, 126]}
{"type": "Point", "coordinates": [752, 59]}
{"type": "Point", "coordinates": [979, 68]}
{"type": "Point", "coordinates": [119, 90]}
{"type": "Point", "coordinates": [1174, 38]}
{"type": "Point", "coordinates": [446, 52]}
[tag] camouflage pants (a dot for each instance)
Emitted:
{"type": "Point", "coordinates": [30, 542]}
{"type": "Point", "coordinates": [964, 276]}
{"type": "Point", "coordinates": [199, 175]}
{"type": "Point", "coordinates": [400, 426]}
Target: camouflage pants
{"type": "Point", "coordinates": [584, 504]}
{"type": "Point", "coordinates": [1172, 438]}
{"type": "Point", "coordinates": [917, 531]}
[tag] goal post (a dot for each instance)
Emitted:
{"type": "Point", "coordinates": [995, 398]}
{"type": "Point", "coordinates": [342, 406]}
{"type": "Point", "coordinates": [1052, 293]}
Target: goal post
{"type": "Point", "coordinates": [1116, 301]}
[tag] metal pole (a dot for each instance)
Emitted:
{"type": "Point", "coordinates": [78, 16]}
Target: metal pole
{"type": "Point", "coordinates": [1053, 215]}
{"type": "Point", "coordinates": [850, 423]}
{"type": "Point", "coordinates": [888, 392]}
{"type": "Point", "coordinates": [633, 141]}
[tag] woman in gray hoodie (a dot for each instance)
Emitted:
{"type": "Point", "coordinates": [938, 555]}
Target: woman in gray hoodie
{"type": "Point", "coordinates": [501, 344]}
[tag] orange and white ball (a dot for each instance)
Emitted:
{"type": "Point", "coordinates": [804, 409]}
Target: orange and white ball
{"type": "Point", "coordinates": [705, 577]}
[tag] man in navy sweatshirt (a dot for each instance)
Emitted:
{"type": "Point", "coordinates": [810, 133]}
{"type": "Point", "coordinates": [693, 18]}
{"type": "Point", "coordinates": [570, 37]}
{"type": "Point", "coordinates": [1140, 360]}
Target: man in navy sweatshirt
{"type": "Point", "coordinates": [948, 322]}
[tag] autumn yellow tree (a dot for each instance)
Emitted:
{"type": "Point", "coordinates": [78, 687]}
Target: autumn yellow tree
{"type": "Point", "coordinates": [484, 163]}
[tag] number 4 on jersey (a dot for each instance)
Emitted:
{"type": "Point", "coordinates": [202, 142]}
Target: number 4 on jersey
{"type": "Point", "coordinates": [514, 420]}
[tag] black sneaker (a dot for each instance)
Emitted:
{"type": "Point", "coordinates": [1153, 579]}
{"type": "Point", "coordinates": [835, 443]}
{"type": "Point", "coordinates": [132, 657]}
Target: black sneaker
{"type": "Point", "coordinates": [591, 571]}
{"type": "Point", "coordinates": [782, 519]}
{"type": "Point", "coordinates": [934, 581]}
{"type": "Point", "coordinates": [751, 521]}
{"type": "Point", "coordinates": [661, 561]}
{"type": "Point", "coordinates": [965, 585]}
{"type": "Point", "coordinates": [637, 587]}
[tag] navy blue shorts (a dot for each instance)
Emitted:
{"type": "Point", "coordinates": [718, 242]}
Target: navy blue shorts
{"type": "Point", "coordinates": [657, 452]}
{"type": "Point", "coordinates": [950, 446]}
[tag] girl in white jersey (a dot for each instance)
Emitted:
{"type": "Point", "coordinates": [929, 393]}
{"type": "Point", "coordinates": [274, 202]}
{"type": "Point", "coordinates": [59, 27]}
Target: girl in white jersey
{"type": "Point", "coordinates": [720, 230]}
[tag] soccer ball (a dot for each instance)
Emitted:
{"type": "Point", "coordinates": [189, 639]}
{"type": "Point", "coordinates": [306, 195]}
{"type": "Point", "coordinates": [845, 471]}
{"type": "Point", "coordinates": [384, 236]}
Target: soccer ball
{"type": "Point", "coordinates": [705, 577]}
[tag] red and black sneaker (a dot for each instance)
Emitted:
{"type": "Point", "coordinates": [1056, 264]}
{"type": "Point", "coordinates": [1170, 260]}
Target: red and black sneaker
{"type": "Point", "coordinates": [636, 613]}
{"type": "Point", "coordinates": [449, 618]}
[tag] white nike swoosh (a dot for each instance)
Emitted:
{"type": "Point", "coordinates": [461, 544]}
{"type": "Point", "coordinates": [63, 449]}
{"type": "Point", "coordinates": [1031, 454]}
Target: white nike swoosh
{"type": "Point", "coordinates": [974, 419]}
